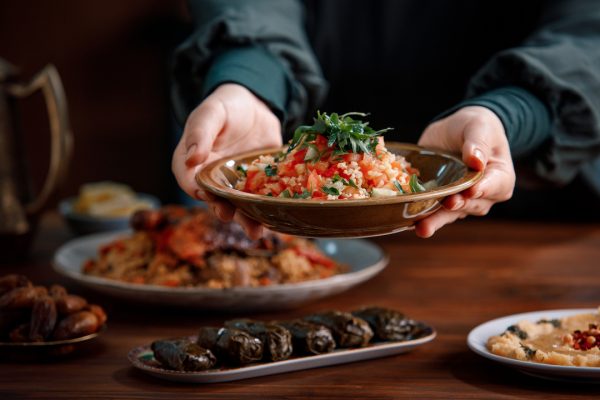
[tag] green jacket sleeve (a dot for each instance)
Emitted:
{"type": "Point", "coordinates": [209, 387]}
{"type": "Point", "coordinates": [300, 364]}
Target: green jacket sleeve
{"type": "Point", "coordinates": [559, 64]}
{"type": "Point", "coordinates": [268, 31]}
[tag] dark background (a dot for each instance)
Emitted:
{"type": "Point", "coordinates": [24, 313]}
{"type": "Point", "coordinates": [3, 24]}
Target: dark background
{"type": "Point", "coordinates": [113, 58]}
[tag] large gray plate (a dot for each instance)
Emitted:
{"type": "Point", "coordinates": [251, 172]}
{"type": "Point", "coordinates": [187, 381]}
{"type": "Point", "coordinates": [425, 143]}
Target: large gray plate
{"type": "Point", "coordinates": [364, 258]}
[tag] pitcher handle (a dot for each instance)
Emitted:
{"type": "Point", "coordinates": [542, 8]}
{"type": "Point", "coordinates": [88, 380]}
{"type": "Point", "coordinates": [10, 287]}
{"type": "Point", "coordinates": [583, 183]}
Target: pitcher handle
{"type": "Point", "coordinates": [61, 144]}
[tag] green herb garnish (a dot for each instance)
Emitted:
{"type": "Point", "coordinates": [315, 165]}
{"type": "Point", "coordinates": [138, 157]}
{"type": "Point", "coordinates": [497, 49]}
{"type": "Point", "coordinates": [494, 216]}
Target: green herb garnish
{"type": "Point", "coordinates": [397, 184]}
{"type": "Point", "coordinates": [242, 169]}
{"type": "Point", "coordinates": [286, 194]}
{"type": "Point", "coordinates": [529, 352]}
{"type": "Point", "coordinates": [415, 185]}
{"type": "Point", "coordinates": [304, 195]}
{"type": "Point", "coordinates": [351, 183]}
{"type": "Point", "coordinates": [271, 170]}
{"type": "Point", "coordinates": [555, 322]}
{"type": "Point", "coordinates": [330, 190]}
{"type": "Point", "coordinates": [349, 134]}
{"type": "Point", "coordinates": [521, 334]}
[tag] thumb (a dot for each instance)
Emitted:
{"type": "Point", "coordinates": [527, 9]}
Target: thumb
{"type": "Point", "coordinates": [201, 129]}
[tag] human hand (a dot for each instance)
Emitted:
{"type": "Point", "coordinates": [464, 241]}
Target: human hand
{"type": "Point", "coordinates": [479, 135]}
{"type": "Point", "coordinates": [229, 121]}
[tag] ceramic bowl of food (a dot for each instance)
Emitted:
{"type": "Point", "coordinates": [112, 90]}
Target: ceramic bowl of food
{"type": "Point", "coordinates": [104, 207]}
{"type": "Point", "coordinates": [442, 174]}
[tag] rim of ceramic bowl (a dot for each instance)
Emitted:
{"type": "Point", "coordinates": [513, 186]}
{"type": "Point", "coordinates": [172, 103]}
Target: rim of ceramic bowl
{"type": "Point", "coordinates": [65, 207]}
{"type": "Point", "coordinates": [205, 178]}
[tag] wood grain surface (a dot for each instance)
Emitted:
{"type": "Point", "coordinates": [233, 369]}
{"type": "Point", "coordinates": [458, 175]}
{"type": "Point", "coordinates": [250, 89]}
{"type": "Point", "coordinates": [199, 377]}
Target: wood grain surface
{"type": "Point", "coordinates": [470, 272]}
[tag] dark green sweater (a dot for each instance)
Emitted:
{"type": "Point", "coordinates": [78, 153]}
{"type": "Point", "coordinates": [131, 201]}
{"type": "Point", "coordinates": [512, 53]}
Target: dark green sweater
{"type": "Point", "coordinates": [409, 62]}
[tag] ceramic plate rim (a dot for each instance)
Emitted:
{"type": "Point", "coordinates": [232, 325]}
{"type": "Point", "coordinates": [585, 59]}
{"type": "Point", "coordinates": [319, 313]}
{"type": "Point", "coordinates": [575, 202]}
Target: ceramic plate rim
{"type": "Point", "coordinates": [475, 343]}
{"type": "Point", "coordinates": [204, 178]}
{"type": "Point", "coordinates": [374, 269]}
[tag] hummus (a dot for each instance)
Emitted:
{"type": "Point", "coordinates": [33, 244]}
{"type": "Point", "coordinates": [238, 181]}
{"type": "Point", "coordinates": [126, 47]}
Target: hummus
{"type": "Point", "coordinates": [572, 341]}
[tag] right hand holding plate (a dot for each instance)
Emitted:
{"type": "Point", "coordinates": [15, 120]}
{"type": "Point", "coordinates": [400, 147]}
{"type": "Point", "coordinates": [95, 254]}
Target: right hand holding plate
{"type": "Point", "coordinates": [479, 135]}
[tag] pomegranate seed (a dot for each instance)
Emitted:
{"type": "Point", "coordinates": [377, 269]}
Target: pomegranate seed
{"type": "Point", "coordinates": [588, 339]}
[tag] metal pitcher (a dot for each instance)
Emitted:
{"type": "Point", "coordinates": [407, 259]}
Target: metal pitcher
{"type": "Point", "coordinates": [19, 208]}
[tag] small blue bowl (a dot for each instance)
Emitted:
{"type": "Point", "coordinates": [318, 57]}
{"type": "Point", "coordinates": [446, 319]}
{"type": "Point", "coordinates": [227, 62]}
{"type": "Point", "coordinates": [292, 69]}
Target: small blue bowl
{"type": "Point", "coordinates": [84, 224]}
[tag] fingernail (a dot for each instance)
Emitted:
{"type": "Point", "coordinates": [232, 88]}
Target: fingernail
{"type": "Point", "coordinates": [199, 194]}
{"type": "Point", "coordinates": [458, 205]}
{"type": "Point", "coordinates": [191, 150]}
{"type": "Point", "coordinates": [478, 194]}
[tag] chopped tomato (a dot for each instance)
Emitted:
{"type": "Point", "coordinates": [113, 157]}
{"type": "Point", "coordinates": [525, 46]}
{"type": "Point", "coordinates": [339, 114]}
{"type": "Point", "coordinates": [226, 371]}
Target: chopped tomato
{"type": "Point", "coordinates": [343, 174]}
{"type": "Point", "coordinates": [287, 169]}
{"type": "Point", "coordinates": [254, 180]}
{"type": "Point", "coordinates": [298, 156]}
{"type": "Point", "coordinates": [321, 142]}
{"type": "Point", "coordinates": [313, 183]}
{"type": "Point", "coordinates": [319, 166]}
{"type": "Point", "coordinates": [411, 171]}
{"type": "Point", "coordinates": [172, 282]}
{"type": "Point", "coordinates": [329, 172]}
{"type": "Point", "coordinates": [264, 281]}
{"type": "Point", "coordinates": [117, 246]}
{"type": "Point", "coordinates": [352, 157]}
{"type": "Point", "coordinates": [315, 256]}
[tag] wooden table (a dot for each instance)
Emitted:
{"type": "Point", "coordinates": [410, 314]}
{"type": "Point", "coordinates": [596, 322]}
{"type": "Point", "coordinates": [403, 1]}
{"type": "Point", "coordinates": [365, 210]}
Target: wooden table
{"type": "Point", "coordinates": [470, 272]}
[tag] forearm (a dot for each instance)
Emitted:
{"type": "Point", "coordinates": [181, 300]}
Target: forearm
{"type": "Point", "coordinates": [558, 64]}
{"type": "Point", "coordinates": [273, 26]}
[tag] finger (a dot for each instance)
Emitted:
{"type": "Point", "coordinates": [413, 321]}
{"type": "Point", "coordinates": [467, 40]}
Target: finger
{"type": "Point", "coordinates": [426, 227]}
{"type": "Point", "coordinates": [224, 210]}
{"type": "Point", "coordinates": [186, 177]}
{"type": "Point", "coordinates": [497, 184]}
{"type": "Point", "coordinates": [476, 150]}
{"type": "Point", "coordinates": [453, 202]}
{"type": "Point", "coordinates": [201, 129]}
{"type": "Point", "coordinates": [252, 228]}
{"type": "Point", "coordinates": [478, 207]}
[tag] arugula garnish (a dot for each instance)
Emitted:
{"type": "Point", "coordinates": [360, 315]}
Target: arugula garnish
{"type": "Point", "coordinates": [415, 185]}
{"type": "Point", "coordinates": [350, 135]}
{"type": "Point", "coordinates": [270, 170]}
{"type": "Point", "coordinates": [330, 190]}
